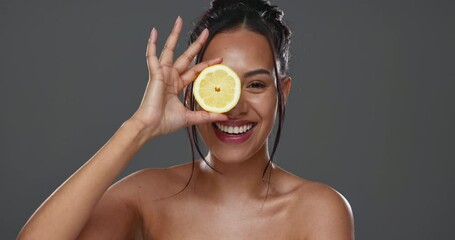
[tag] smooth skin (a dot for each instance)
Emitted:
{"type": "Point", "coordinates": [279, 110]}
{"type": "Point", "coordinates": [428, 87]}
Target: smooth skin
{"type": "Point", "coordinates": [231, 205]}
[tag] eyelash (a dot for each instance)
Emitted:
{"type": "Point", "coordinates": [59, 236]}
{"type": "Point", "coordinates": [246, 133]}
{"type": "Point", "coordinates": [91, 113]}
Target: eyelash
{"type": "Point", "coordinates": [257, 85]}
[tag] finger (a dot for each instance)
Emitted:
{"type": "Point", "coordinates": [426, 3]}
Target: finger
{"type": "Point", "coordinates": [151, 45]}
{"type": "Point", "coordinates": [182, 63]}
{"type": "Point", "coordinates": [191, 74]}
{"type": "Point", "coordinates": [152, 60]}
{"type": "Point", "coordinates": [167, 54]}
{"type": "Point", "coordinates": [199, 117]}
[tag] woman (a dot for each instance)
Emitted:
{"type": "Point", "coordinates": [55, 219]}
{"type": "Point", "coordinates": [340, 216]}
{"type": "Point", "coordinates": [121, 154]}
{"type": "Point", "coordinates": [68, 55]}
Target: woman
{"type": "Point", "coordinates": [235, 191]}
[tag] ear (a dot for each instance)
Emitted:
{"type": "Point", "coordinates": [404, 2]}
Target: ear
{"type": "Point", "coordinates": [286, 87]}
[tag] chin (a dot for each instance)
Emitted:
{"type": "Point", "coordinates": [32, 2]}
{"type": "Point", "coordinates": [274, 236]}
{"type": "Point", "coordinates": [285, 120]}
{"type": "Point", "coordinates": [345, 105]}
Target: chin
{"type": "Point", "coordinates": [225, 157]}
{"type": "Point", "coordinates": [235, 154]}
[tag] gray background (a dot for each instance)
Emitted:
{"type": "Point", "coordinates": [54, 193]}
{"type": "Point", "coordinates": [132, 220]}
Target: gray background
{"type": "Point", "coordinates": [371, 109]}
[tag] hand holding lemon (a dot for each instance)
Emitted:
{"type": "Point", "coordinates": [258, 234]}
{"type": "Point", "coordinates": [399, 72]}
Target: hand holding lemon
{"type": "Point", "coordinates": [161, 110]}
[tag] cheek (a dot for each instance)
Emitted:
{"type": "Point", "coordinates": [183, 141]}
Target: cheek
{"type": "Point", "coordinates": [265, 105]}
{"type": "Point", "coordinates": [203, 128]}
{"type": "Point", "coordinates": [204, 133]}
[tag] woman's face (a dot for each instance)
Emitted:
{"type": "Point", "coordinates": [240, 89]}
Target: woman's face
{"type": "Point", "coordinates": [250, 122]}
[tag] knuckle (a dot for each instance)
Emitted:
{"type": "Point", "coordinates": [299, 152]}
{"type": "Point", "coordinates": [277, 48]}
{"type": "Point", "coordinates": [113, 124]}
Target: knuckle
{"type": "Point", "coordinates": [202, 65]}
{"type": "Point", "coordinates": [205, 116]}
{"type": "Point", "coordinates": [168, 48]}
{"type": "Point", "coordinates": [199, 43]}
{"type": "Point", "coordinates": [149, 58]}
{"type": "Point", "coordinates": [188, 57]}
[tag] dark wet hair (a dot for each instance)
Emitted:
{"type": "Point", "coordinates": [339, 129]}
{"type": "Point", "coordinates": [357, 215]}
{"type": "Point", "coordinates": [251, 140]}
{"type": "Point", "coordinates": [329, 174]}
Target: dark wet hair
{"type": "Point", "coordinates": [255, 15]}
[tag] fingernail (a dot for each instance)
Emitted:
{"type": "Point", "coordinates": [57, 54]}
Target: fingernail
{"type": "Point", "coordinates": [204, 33]}
{"type": "Point", "coordinates": [177, 20]}
{"type": "Point", "coordinates": [152, 34]}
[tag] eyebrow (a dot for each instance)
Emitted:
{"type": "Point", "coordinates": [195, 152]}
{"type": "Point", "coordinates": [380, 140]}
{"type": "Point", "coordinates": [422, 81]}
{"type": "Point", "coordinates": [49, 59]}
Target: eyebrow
{"type": "Point", "coordinates": [255, 72]}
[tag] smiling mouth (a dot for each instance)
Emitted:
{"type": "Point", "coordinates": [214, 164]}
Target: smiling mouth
{"type": "Point", "coordinates": [234, 130]}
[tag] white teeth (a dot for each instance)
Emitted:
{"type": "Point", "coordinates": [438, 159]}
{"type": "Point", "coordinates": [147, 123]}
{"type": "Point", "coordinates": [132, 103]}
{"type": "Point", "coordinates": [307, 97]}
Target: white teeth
{"type": "Point", "coordinates": [234, 130]}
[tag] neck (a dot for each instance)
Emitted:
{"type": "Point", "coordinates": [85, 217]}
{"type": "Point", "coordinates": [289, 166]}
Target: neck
{"type": "Point", "coordinates": [244, 179]}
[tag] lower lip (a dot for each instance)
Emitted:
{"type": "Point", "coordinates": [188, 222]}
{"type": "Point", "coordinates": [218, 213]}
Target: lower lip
{"type": "Point", "coordinates": [233, 139]}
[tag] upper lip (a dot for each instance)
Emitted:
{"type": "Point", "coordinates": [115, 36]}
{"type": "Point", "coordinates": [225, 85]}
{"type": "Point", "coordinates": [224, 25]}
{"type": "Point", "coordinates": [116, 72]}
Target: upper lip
{"type": "Point", "coordinates": [235, 123]}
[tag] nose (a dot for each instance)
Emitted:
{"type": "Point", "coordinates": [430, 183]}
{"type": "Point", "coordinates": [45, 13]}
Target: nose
{"type": "Point", "coordinates": [240, 109]}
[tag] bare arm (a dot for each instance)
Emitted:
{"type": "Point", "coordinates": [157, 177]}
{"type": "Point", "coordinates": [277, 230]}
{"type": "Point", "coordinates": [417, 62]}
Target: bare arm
{"type": "Point", "coordinates": [68, 210]}
{"type": "Point", "coordinates": [65, 212]}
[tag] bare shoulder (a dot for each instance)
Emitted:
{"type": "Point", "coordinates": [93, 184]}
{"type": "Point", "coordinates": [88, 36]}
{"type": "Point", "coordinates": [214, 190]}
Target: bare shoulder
{"type": "Point", "coordinates": [326, 211]}
{"type": "Point", "coordinates": [152, 183]}
{"type": "Point", "coordinates": [330, 212]}
{"type": "Point", "coordinates": [324, 199]}
{"type": "Point", "coordinates": [118, 214]}
{"type": "Point", "coordinates": [321, 211]}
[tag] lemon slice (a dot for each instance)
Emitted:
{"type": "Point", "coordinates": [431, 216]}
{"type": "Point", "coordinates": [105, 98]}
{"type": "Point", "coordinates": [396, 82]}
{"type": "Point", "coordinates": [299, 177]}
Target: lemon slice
{"type": "Point", "coordinates": [217, 88]}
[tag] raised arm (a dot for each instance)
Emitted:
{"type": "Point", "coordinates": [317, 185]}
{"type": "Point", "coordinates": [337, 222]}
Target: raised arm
{"type": "Point", "coordinates": [75, 206]}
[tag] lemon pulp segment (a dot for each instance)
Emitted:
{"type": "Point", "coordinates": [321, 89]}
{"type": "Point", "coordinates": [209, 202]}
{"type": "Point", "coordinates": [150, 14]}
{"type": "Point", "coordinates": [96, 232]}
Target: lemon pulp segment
{"type": "Point", "coordinates": [217, 88]}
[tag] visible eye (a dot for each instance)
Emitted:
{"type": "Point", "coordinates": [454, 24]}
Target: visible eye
{"type": "Point", "coordinates": [256, 85]}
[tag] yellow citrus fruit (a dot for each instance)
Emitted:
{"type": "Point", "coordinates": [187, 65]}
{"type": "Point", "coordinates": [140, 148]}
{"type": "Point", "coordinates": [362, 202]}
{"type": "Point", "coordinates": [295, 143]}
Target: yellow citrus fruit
{"type": "Point", "coordinates": [217, 88]}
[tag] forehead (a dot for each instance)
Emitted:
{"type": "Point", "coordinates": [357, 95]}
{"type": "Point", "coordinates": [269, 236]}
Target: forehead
{"type": "Point", "coordinates": [242, 50]}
